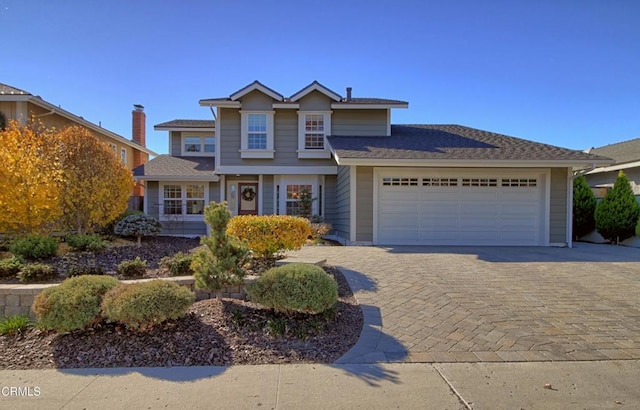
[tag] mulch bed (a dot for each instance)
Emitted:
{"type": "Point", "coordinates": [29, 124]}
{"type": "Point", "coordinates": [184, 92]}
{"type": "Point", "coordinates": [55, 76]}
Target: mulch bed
{"type": "Point", "coordinates": [214, 332]}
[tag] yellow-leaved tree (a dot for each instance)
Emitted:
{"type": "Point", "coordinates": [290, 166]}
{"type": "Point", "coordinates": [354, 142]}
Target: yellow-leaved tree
{"type": "Point", "coordinates": [30, 178]}
{"type": "Point", "coordinates": [96, 186]}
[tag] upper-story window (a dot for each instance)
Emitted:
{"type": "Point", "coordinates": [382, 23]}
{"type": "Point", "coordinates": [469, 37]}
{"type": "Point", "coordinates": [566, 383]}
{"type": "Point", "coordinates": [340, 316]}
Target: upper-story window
{"type": "Point", "coordinates": [313, 127]}
{"type": "Point", "coordinates": [257, 135]}
{"type": "Point", "coordinates": [123, 156]}
{"type": "Point", "coordinates": [114, 148]}
{"type": "Point", "coordinates": [201, 146]}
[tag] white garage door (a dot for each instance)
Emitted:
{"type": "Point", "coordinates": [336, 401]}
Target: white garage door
{"type": "Point", "coordinates": [460, 209]}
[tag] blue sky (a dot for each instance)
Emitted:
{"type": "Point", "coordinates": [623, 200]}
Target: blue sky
{"type": "Point", "coordinates": [565, 73]}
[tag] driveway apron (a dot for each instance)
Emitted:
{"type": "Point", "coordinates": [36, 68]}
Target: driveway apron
{"type": "Point", "coordinates": [492, 304]}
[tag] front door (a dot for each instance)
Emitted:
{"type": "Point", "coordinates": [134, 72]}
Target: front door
{"type": "Point", "coordinates": [248, 199]}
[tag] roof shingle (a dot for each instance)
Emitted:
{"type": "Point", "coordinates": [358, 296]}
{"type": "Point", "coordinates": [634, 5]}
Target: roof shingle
{"type": "Point", "coordinates": [621, 152]}
{"type": "Point", "coordinates": [187, 124]}
{"type": "Point", "coordinates": [450, 142]}
{"type": "Point", "coordinates": [8, 90]}
{"type": "Point", "coordinates": [169, 166]}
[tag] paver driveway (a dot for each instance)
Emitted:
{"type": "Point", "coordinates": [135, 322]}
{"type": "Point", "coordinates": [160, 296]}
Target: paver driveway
{"type": "Point", "coordinates": [469, 304]}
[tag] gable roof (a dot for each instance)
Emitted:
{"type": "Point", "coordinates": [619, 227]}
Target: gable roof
{"type": "Point", "coordinates": [167, 167]}
{"type": "Point", "coordinates": [186, 124]}
{"type": "Point", "coordinates": [256, 85]}
{"type": "Point", "coordinates": [439, 144]}
{"type": "Point", "coordinates": [9, 93]}
{"type": "Point", "coordinates": [9, 90]}
{"type": "Point", "coordinates": [621, 152]}
{"type": "Point", "coordinates": [315, 86]}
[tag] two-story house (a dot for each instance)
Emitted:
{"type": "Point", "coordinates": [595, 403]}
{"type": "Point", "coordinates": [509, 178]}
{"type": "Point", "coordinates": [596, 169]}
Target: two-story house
{"type": "Point", "coordinates": [20, 105]}
{"type": "Point", "coordinates": [375, 182]}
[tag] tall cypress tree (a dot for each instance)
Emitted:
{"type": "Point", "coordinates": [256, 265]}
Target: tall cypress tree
{"type": "Point", "coordinates": [584, 207]}
{"type": "Point", "coordinates": [617, 213]}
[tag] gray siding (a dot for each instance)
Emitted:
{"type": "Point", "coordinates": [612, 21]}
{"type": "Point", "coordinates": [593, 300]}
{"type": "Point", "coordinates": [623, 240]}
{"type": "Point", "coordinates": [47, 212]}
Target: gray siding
{"type": "Point", "coordinates": [359, 122]}
{"type": "Point", "coordinates": [364, 204]}
{"type": "Point", "coordinates": [315, 101]}
{"type": "Point", "coordinates": [151, 196]}
{"type": "Point", "coordinates": [558, 208]}
{"type": "Point", "coordinates": [341, 225]}
{"type": "Point", "coordinates": [330, 198]}
{"type": "Point", "coordinates": [184, 228]}
{"type": "Point", "coordinates": [268, 193]}
{"type": "Point", "coordinates": [285, 142]}
{"type": "Point", "coordinates": [214, 191]}
{"type": "Point", "coordinates": [255, 100]}
{"type": "Point", "coordinates": [176, 143]}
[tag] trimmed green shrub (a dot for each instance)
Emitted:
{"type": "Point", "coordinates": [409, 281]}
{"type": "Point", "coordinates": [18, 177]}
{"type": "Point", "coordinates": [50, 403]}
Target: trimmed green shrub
{"type": "Point", "coordinates": [138, 225]}
{"type": "Point", "coordinates": [83, 242]}
{"type": "Point", "coordinates": [617, 214]}
{"type": "Point", "coordinates": [34, 247]}
{"type": "Point", "coordinates": [36, 272]}
{"type": "Point", "coordinates": [584, 208]}
{"type": "Point", "coordinates": [10, 267]}
{"type": "Point", "coordinates": [296, 287]}
{"type": "Point", "coordinates": [220, 262]}
{"type": "Point", "coordinates": [13, 325]}
{"type": "Point", "coordinates": [74, 304]}
{"type": "Point", "coordinates": [268, 234]}
{"type": "Point", "coordinates": [140, 306]}
{"type": "Point", "coordinates": [108, 229]}
{"type": "Point", "coordinates": [178, 264]}
{"type": "Point", "coordinates": [88, 269]}
{"type": "Point", "coordinates": [134, 268]}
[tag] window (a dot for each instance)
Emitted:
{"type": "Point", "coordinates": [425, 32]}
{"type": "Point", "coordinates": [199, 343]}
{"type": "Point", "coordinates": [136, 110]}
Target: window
{"type": "Point", "coordinates": [399, 181]}
{"type": "Point", "coordinates": [296, 195]}
{"type": "Point", "coordinates": [479, 182]}
{"type": "Point", "coordinates": [123, 156]}
{"type": "Point", "coordinates": [201, 146]}
{"type": "Point", "coordinates": [114, 148]}
{"type": "Point", "coordinates": [182, 199]}
{"type": "Point", "coordinates": [439, 181]}
{"type": "Point", "coordinates": [313, 127]}
{"type": "Point", "coordinates": [519, 182]}
{"type": "Point", "coordinates": [257, 135]}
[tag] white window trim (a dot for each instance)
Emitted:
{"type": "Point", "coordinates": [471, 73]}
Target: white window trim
{"type": "Point", "coordinates": [284, 180]}
{"type": "Point", "coordinates": [201, 153]}
{"type": "Point", "coordinates": [183, 190]}
{"type": "Point", "coordinates": [245, 152]}
{"type": "Point", "coordinates": [313, 153]}
{"type": "Point", "coordinates": [123, 156]}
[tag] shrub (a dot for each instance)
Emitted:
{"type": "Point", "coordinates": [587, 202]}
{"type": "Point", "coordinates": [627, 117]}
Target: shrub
{"type": "Point", "coordinates": [134, 268]}
{"type": "Point", "coordinates": [297, 287]}
{"type": "Point", "coordinates": [138, 225]}
{"type": "Point", "coordinates": [74, 304]}
{"type": "Point", "coordinates": [34, 247]}
{"type": "Point", "coordinates": [36, 272]}
{"type": "Point", "coordinates": [178, 264]}
{"type": "Point", "coordinates": [13, 325]}
{"type": "Point", "coordinates": [142, 305]}
{"type": "Point", "coordinates": [584, 208]}
{"type": "Point", "coordinates": [268, 234]}
{"type": "Point", "coordinates": [221, 262]}
{"type": "Point", "coordinates": [88, 269]}
{"type": "Point", "coordinates": [91, 243]}
{"type": "Point", "coordinates": [617, 213]}
{"type": "Point", "coordinates": [11, 266]}
{"type": "Point", "coordinates": [318, 230]}
{"type": "Point", "coordinates": [108, 228]}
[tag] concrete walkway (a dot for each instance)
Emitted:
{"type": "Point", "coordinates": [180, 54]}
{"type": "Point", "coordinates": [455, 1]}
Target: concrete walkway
{"type": "Point", "coordinates": [492, 304]}
{"type": "Point", "coordinates": [577, 385]}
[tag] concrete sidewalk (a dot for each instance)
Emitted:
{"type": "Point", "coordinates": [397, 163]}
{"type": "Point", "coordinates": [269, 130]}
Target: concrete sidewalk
{"type": "Point", "coordinates": [575, 385]}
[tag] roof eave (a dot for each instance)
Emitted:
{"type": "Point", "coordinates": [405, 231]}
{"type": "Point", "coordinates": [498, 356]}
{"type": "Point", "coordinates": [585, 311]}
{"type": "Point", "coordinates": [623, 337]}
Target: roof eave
{"type": "Point", "coordinates": [211, 178]}
{"type": "Point", "coordinates": [347, 105]}
{"type": "Point", "coordinates": [219, 103]}
{"type": "Point", "coordinates": [465, 162]}
{"type": "Point", "coordinates": [161, 128]}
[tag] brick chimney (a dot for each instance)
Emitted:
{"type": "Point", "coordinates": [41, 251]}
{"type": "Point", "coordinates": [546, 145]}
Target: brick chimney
{"type": "Point", "coordinates": [138, 135]}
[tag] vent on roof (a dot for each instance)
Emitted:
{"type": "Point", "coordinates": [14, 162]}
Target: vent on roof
{"type": "Point", "coordinates": [349, 93]}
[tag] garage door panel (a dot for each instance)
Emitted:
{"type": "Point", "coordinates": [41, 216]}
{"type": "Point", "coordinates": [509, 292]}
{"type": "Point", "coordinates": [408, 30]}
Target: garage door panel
{"type": "Point", "coordinates": [470, 210]}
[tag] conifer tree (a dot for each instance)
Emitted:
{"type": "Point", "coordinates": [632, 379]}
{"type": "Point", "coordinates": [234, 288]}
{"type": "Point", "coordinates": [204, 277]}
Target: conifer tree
{"type": "Point", "coordinates": [584, 207]}
{"type": "Point", "coordinates": [220, 263]}
{"type": "Point", "coordinates": [617, 214]}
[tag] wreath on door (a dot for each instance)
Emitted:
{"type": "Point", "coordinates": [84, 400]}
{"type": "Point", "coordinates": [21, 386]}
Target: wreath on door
{"type": "Point", "coordinates": [248, 194]}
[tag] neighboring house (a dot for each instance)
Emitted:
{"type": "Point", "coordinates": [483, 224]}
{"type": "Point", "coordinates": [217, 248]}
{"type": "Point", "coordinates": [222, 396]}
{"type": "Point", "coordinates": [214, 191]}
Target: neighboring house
{"type": "Point", "coordinates": [626, 155]}
{"type": "Point", "coordinates": [376, 183]}
{"type": "Point", "coordinates": [20, 105]}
